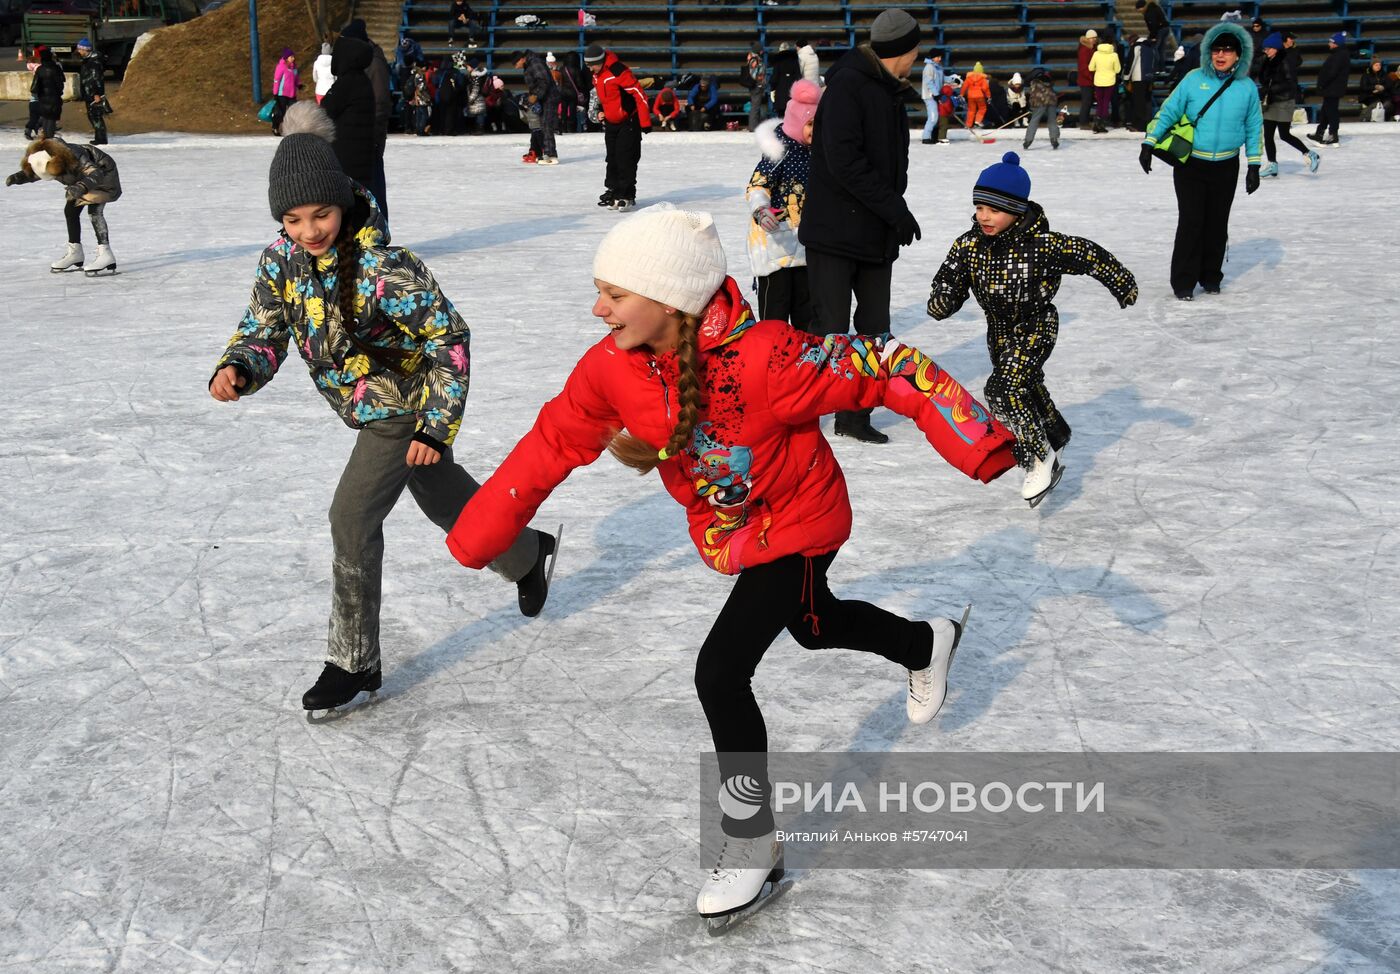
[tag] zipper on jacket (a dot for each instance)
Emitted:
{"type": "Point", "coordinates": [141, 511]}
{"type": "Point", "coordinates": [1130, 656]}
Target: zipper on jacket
{"type": "Point", "coordinates": [665, 389]}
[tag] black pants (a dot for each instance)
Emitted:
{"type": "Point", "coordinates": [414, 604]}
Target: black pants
{"type": "Point", "coordinates": [279, 110]}
{"type": "Point", "coordinates": [71, 212]}
{"type": "Point", "coordinates": [1329, 117]}
{"type": "Point", "coordinates": [376, 184]}
{"type": "Point", "coordinates": [1086, 105]}
{"type": "Point", "coordinates": [790, 593]}
{"type": "Point", "coordinates": [1204, 194]}
{"type": "Point", "coordinates": [1141, 105]}
{"type": "Point", "coordinates": [542, 138]}
{"type": "Point", "coordinates": [1270, 149]}
{"type": "Point", "coordinates": [833, 280]}
{"type": "Point", "coordinates": [785, 295]}
{"type": "Point", "coordinates": [97, 115]}
{"type": "Point", "coordinates": [624, 148]}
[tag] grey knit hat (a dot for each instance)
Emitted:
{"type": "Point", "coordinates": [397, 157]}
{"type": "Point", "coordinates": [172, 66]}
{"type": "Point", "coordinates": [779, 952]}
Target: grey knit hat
{"type": "Point", "coordinates": [305, 169]}
{"type": "Point", "coordinates": [894, 33]}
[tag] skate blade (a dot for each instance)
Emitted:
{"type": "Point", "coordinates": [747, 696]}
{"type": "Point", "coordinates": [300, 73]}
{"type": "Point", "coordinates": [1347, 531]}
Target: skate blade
{"type": "Point", "coordinates": [721, 924]}
{"type": "Point", "coordinates": [1054, 479]}
{"type": "Point", "coordinates": [554, 558]}
{"type": "Point", "coordinates": [333, 714]}
{"type": "Point", "coordinates": [103, 272]}
{"type": "Point", "coordinates": [958, 628]}
{"type": "Point", "coordinates": [65, 270]}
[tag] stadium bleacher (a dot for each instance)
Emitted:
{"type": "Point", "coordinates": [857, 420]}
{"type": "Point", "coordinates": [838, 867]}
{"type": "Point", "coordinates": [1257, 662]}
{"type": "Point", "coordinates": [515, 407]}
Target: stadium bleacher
{"type": "Point", "coordinates": [662, 41]}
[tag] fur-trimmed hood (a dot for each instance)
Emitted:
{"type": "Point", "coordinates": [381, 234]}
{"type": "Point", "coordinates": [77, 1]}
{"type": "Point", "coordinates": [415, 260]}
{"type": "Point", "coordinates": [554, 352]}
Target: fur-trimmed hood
{"type": "Point", "coordinates": [1246, 48]}
{"type": "Point", "coordinates": [61, 159]}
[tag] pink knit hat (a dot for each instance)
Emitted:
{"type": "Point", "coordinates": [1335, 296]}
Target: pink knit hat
{"type": "Point", "coordinates": [801, 106]}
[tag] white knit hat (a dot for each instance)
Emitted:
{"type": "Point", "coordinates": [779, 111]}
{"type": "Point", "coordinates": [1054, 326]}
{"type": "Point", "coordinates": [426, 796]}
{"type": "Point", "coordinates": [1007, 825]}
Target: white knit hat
{"type": "Point", "coordinates": [669, 255]}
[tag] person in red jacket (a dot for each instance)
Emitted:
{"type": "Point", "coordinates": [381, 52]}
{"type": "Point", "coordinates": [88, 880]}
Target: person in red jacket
{"type": "Point", "coordinates": [727, 409]}
{"type": "Point", "coordinates": [625, 118]}
{"type": "Point", "coordinates": [665, 108]}
{"type": "Point", "coordinates": [1087, 44]}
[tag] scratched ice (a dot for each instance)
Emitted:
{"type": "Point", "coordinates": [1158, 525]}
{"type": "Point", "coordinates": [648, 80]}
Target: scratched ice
{"type": "Point", "coordinates": [1217, 571]}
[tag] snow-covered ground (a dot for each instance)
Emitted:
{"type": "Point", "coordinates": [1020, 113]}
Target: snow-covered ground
{"type": "Point", "coordinates": [1217, 571]}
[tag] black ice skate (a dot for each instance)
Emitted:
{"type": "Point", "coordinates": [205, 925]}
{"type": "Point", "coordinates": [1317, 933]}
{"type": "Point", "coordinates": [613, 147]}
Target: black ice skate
{"type": "Point", "coordinates": [335, 688]}
{"type": "Point", "coordinates": [533, 588]}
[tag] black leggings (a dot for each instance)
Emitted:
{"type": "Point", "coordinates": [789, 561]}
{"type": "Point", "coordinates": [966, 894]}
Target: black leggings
{"type": "Point", "coordinates": [1282, 129]}
{"type": "Point", "coordinates": [790, 593]}
{"type": "Point", "coordinates": [71, 210]}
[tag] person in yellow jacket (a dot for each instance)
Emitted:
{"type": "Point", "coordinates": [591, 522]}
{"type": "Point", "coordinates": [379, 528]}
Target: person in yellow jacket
{"type": "Point", "coordinates": [977, 91]}
{"type": "Point", "coordinates": [1106, 68]}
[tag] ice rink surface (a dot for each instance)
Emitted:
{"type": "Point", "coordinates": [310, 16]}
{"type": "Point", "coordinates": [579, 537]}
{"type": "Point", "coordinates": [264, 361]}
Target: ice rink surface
{"type": "Point", "coordinates": [1217, 571]}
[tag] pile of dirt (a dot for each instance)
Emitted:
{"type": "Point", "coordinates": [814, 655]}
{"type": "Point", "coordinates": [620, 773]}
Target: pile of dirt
{"type": "Point", "coordinates": [197, 76]}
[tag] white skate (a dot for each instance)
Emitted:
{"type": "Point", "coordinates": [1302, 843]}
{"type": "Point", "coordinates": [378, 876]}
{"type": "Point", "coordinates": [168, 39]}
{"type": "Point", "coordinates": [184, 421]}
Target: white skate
{"type": "Point", "coordinates": [744, 868]}
{"type": "Point", "coordinates": [104, 263]}
{"type": "Point", "coordinates": [928, 688]}
{"type": "Point", "coordinates": [1042, 478]}
{"type": "Point", "coordinates": [72, 259]}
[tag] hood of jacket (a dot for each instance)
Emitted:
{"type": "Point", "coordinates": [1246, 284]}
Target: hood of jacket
{"type": "Point", "coordinates": [1105, 48]}
{"type": "Point", "coordinates": [1032, 222]}
{"type": "Point", "coordinates": [350, 55]}
{"type": "Point", "coordinates": [1246, 48]}
{"type": "Point", "coordinates": [61, 158]}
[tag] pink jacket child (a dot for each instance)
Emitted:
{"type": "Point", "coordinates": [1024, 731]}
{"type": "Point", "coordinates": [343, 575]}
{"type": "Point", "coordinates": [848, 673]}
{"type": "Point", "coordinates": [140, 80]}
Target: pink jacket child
{"type": "Point", "coordinates": [286, 78]}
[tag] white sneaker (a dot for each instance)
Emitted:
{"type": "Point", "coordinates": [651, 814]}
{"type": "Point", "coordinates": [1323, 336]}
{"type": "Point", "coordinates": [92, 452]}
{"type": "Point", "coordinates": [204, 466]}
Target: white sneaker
{"type": "Point", "coordinates": [737, 880]}
{"type": "Point", "coordinates": [928, 688]}
{"type": "Point", "coordinates": [1039, 477]}
{"type": "Point", "coordinates": [72, 259]}
{"type": "Point", "coordinates": [547, 161]}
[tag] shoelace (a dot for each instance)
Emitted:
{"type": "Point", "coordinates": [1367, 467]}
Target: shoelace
{"type": "Point", "coordinates": [741, 852]}
{"type": "Point", "coordinates": [921, 684]}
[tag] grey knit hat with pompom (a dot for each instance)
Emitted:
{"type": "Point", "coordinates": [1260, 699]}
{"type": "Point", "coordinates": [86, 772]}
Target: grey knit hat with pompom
{"type": "Point", "coordinates": [305, 169]}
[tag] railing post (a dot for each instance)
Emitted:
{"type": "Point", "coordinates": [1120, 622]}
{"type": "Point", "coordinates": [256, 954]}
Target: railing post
{"type": "Point", "coordinates": [256, 54]}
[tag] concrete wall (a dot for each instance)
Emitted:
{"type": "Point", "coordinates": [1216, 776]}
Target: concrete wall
{"type": "Point", "coordinates": [14, 85]}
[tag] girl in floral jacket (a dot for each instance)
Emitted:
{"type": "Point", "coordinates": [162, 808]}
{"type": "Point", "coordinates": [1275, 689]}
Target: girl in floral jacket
{"type": "Point", "coordinates": [727, 410]}
{"type": "Point", "coordinates": [390, 354]}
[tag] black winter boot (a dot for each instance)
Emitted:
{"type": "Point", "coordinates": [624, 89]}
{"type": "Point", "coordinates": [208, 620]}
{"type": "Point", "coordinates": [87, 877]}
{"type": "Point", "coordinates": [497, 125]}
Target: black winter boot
{"type": "Point", "coordinates": [857, 426]}
{"type": "Point", "coordinates": [336, 687]}
{"type": "Point", "coordinates": [533, 588]}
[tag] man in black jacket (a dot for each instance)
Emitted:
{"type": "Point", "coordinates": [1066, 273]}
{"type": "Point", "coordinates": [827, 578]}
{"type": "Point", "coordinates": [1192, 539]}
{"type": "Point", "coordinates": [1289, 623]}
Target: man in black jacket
{"type": "Point", "coordinates": [1332, 80]}
{"type": "Point", "coordinates": [47, 89]}
{"type": "Point", "coordinates": [92, 88]}
{"type": "Point", "coordinates": [378, 73]}
{"type": "Point", "coordinates": [350, 104]}
{"type": "Point", "coordinates": [854, 219]}
{"type": "Point", "coordinates": [545, 93]}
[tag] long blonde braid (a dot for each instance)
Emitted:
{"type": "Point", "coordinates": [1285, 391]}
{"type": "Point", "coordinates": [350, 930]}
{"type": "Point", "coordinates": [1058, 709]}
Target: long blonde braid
{"type": "Point", "coordinates": [641, 456]}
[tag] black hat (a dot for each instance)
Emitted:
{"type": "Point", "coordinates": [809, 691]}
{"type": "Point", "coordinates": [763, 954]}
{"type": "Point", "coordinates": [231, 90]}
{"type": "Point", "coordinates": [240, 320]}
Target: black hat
{"type": "Point", "coordinates": [1226, 41]}
{"type": "Point", "coordinates": [593, 54]}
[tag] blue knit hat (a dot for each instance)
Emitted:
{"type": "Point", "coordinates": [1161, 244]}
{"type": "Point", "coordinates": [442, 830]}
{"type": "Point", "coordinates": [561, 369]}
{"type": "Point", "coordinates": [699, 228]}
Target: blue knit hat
{"type": "Point", "coordinates": [84, 44]}
{"type": "Point", "coordinates": [1004, 185]}
{"type": "Point", "coordinates": [1274, 40]}
{"type": "Point", "coordinates": [1339, 38]}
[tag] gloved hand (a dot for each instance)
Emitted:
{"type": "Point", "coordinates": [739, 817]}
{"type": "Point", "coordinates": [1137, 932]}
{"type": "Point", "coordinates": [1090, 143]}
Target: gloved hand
{"type": "Point", "coordinates": [907, 229]}
{"type": "Point", "coordinates": [765, 218]}
{"type": "Point", "coordinates": [1145, 158]}
{"type": "Point", "coordinates": [14, 177]}
{"type": "Point", "coordinates": [1130, 298]}
{"type": "Point", "coordinates": [1251, 180]}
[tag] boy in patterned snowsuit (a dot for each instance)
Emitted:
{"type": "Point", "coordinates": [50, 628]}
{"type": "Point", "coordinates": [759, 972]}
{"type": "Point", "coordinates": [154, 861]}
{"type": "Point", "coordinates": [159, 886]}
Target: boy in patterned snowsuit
{"type": "Point", "coordinates": [1011, 262]}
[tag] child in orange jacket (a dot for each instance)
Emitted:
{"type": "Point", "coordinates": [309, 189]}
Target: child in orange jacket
{"type": "Point", "coordinates": [977, 90]}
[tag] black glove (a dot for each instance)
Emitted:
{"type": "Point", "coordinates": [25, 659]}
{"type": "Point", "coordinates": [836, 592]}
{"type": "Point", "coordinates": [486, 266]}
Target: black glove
{"type": "Point", "coordinates": [1145, 158]}
{"type": "Point", "coordinates": [14, 177]}
{"type": "Point", "coordinates": [907, 229]}
{"type": "Point", "coordinates": [1251, 180]}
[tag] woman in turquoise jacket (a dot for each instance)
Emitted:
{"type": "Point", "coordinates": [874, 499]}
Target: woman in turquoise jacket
{"type": "Point", "coordinates": [1205, 184]}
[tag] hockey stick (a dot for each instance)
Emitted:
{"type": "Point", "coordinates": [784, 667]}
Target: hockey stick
{"type": "Point", "coordinates": [971, 134]}
{"type": "Point", "coordinates": [1012, 122]}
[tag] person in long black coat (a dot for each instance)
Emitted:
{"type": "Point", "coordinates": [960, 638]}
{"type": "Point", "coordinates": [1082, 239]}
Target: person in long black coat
{"type": "Point", "coordinates": [1332, 86]}
{"type": "Point", "coordinates": [383, 107]}
{"type": "Point", "coordinates": [784, 68]}
{"type": "Point", "coordinates": [47, 89]}
{"type": "Point", "coordinates": [855, 219]}
{"type": "Point", "coordinates": [350, 104]}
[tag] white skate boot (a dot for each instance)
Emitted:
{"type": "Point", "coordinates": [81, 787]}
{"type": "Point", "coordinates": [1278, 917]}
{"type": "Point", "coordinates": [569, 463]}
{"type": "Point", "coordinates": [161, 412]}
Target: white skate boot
{"type": "Point", "coordinates": [736, 882]}
{"type": "Point", "coordinates": [72, 259]}
{"type": "Point", "coordinates": [1042, 478]}
{"type": "Point", "coordinates": [929, 687]}
{"type": "Point", "coordinates": [104, 263]}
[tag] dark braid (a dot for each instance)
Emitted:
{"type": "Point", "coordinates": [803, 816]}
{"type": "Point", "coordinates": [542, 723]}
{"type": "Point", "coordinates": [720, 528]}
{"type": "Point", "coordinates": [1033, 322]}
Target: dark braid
{"type": "Point", "coordinates": [347, 262]}
{"type": "Point", "coordinates": [641, 456]}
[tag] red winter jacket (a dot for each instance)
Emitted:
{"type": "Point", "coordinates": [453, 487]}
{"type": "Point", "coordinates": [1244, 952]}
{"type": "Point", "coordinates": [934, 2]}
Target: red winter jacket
{"type": "Point", "coordinates": [759, 480]}
{"type": "Point", "coordinates": [619, 93]}
{"type": "Point", "coordinates": [1086, 53]}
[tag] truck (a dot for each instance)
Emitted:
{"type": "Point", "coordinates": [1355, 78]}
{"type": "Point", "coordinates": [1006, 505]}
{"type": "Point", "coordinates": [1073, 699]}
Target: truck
{"type": "Point", "coordinates": [112, 25]}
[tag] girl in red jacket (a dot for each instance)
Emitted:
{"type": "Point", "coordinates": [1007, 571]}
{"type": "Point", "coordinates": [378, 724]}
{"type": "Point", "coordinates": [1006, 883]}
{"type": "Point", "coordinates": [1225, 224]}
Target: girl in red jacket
{"type": "Point", "coordinates": [727, 410]}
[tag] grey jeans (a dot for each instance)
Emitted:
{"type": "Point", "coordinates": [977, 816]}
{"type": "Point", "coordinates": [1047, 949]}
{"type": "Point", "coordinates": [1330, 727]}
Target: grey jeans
{"type": "Point", "coordinates": [1048, 113]}
{"type": "Point", "coordinates": [374, 477]}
